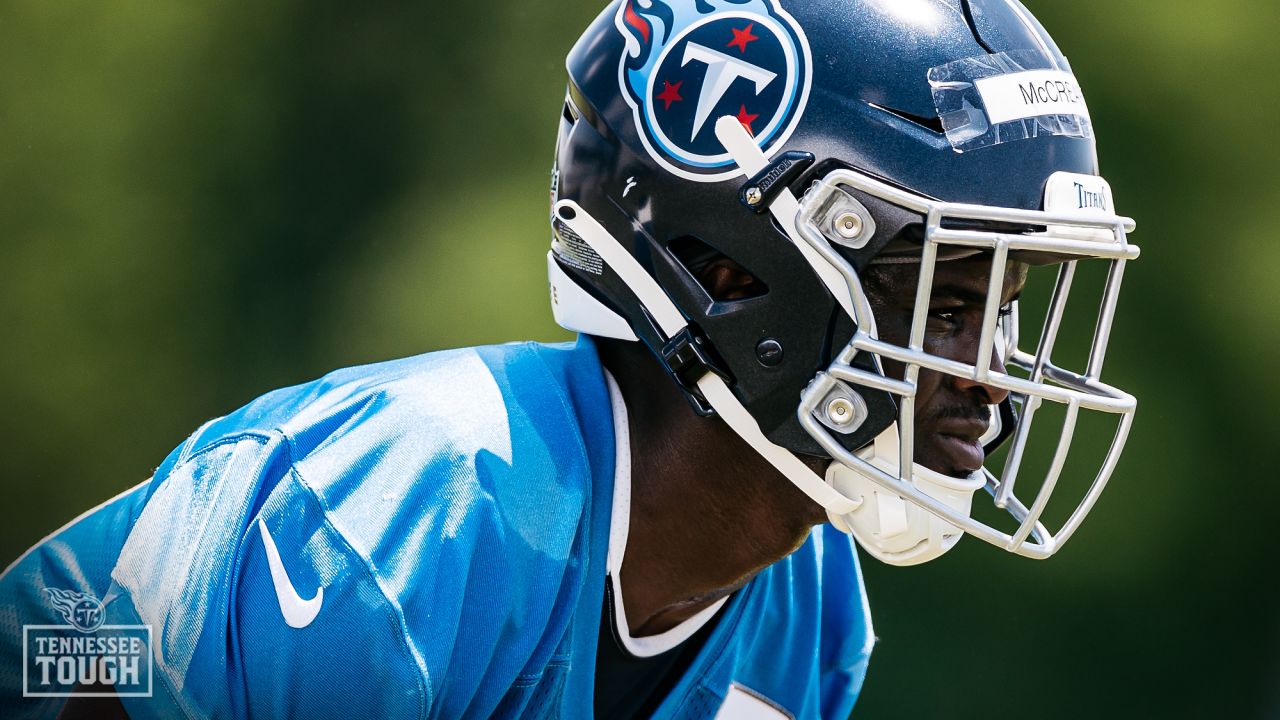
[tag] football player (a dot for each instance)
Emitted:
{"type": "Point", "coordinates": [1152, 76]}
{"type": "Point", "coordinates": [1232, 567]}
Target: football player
{"type": "Point", "coordinates": [792, 237]}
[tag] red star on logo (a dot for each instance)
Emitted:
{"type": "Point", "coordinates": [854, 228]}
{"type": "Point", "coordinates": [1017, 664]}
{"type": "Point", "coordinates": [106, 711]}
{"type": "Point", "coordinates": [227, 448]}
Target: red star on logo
{"type": "Point", "coordinates": [670, 93]}
{"type": "Point", "coordinates": [746, 119]}
{"type": "Point", "coordinates": [742, 37]}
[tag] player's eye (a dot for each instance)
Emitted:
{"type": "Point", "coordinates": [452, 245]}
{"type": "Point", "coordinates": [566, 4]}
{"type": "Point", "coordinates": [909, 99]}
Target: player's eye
{"type": "Point", "coordinates": [943, 320]}
{"type": "Point", "coordinates": [949, 320]}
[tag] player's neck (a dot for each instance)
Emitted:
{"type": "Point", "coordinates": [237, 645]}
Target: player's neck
{"type": "Point", "coordinates": [707, 512]}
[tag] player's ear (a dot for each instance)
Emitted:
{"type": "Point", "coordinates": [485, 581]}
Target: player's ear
{"type": "Point", "coordinates": [725, 279]}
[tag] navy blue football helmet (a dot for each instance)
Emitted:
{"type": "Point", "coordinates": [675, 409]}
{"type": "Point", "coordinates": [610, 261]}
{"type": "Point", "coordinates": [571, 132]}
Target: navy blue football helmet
{"type": "Point", "coordinates": [807, 142]}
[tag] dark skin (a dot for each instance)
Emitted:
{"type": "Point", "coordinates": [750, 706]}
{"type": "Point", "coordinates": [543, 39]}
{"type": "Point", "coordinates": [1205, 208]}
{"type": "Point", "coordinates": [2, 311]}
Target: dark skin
{"type": "Point", "coordinates": [708, 513]}
{"type": "Point", "coordinates": [951, 412]}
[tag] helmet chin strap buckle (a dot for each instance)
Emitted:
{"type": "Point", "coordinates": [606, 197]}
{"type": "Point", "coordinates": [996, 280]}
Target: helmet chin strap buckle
{"type": "Point", "coordinates": [688, 357]}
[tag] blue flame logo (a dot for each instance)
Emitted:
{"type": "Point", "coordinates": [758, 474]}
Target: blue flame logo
{"type": "Point", "coordinates": [81, 610]}
{"type": "Point", "coordinates": [688, 63]}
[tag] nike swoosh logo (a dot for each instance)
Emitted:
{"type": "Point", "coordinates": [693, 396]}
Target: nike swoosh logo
{"type": "Point", "coordinates": [298, 613]}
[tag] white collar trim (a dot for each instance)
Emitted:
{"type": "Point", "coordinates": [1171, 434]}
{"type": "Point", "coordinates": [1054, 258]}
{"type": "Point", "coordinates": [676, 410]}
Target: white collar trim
{"type": "Point", "coordinates": [619, 525]}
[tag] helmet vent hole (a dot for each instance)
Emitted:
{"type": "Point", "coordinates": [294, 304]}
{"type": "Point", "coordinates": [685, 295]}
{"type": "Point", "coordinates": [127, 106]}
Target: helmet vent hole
{"type": "Point", "coordinates": [932, 123]}
{"type": "Point", "coordinates": [721, 277]}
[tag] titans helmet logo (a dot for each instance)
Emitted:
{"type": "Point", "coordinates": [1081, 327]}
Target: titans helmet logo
{"type": "Point", "coordinates": [688, 63]}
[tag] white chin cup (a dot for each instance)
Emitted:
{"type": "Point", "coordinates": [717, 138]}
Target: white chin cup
{"type": "Point", "coordinates": [893, 529]}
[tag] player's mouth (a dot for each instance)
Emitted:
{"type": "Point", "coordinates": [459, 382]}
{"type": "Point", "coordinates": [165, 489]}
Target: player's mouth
{"type": "Point", "coordinates": [958, 441]}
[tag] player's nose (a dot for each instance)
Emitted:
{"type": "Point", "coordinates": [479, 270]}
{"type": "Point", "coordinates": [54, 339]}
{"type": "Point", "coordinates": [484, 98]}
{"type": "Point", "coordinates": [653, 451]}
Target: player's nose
{"type": "Point", "coordinates": [990, 394]}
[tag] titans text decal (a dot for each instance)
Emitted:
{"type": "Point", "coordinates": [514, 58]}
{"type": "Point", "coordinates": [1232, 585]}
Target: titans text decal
{"type": "Point", "coordinates": [690, 62]}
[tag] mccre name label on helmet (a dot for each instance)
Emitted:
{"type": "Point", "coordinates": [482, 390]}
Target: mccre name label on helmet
{"type": "Point", "coordinates": [993, 99]}
{"type": "Point", "coordinates": [1031, 94]}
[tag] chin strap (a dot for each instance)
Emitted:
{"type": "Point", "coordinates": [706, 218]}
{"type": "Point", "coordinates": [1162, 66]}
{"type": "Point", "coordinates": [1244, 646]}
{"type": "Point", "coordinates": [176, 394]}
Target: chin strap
{"type": "Point", "coordinates": [891, 528]}
{"type": "Point", "coordinates": [886, 525]}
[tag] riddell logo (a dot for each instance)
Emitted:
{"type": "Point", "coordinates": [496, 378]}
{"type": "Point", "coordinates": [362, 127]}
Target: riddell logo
{"type": "Point", "coordinates": [85, 657]}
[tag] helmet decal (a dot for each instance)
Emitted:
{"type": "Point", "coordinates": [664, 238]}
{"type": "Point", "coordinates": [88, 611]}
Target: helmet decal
{"type": "Point", "coordinates": [689, 62]}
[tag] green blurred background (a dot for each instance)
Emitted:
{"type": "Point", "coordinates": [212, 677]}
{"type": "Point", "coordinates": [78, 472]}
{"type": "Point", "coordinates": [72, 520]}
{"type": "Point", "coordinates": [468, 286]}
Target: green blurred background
{"type": "Point", "coordinates": [203, 201]}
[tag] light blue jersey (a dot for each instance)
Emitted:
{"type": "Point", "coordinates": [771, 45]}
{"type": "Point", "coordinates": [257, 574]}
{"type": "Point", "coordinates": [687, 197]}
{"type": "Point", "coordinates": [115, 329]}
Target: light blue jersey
{"type": "Point", "coordinates": [420, 538]}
